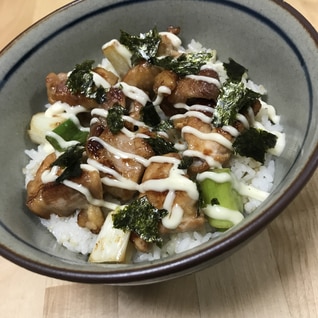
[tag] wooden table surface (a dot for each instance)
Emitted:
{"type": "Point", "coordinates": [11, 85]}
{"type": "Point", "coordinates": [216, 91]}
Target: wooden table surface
{"type": "Point", "coordinates": [276, 275]}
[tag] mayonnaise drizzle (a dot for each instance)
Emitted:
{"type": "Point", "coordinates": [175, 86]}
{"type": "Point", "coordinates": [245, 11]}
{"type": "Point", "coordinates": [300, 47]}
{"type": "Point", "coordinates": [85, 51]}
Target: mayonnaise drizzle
{"type": "Point", "coordinates": [76, 121]}
{"type": "Point", "coordinates": [99, 112]}
{"type": "Point", "coordinates": [271, 112]}
{"type": "Point", "coordinates": [243, 120]}
{"type": "Point", "coordinates": [133, 93]}
{"type": "Point", "coordinates": [162, 91]}
{"type": "Point", "coordinates": [208, 136]}
{"type": "Point", "coordinates": [163, 159]}
{"type": "Point", "coordinates": [231, 130]}
{"type": "Point", "coordinates": [251, 192]}
{"type": "Point", "coordinates": [133, 135]}
{"type": "Point", "coordinates": [64, 109]}
{"type": "Point", "coordinates": [280, 142]}
{"type": "Point", "coordinates": [174, 39]}
{"type": "Point", "coordinates": [130, 134]}
{"type": "Point", "coordinates": [168, 203]}
{"type": "Point", "coordinates": [221, 213]}
{"type": "Point", "coordinates": [100, 81]}
{"type": "Point", "coordinates": [173, 219]}
{"type": "Point", "coordinates": [215, 176]}
{"type": "Point", "coordinates": [133, 121]}
{"type": "Point", "coordinates": [62, 143]}
{"type": "Point", "coordinates": [117, 181]}
{"type": "Point", "coordinates": [49, 175]}
{"type": "Point", "coordinates": [80, 188]}
{"type": "Point", "coordinates": [192, 113]}
{"type": "Point", "coordinates": [203, 108]}
{"type": "Point", "coordinates": [119, 153]}
{"type": "Point", "coordinates": [240, 187]}
{"type": "Point", "coordinates": [198, 154]}
{"type": "Point", "coordinates": [208, 79]}
{"type": "Point", "coordinates": [175, 181]}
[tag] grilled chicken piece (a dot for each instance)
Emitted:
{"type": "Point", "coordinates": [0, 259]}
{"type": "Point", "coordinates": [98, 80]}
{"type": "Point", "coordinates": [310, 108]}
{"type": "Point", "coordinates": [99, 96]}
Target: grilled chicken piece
{"type": "Point", "coordinates": [58, 91]}
{"type": "Point", "coordinates": [135, 109]}
{"type": "Point", "coordinates": [190, 90]}
{"type": "Point", "coordinates": [139, 243]}
{"type": "Point", "coordinates": [191, 220]}
{"type": "Point", "coordinates": [217, 151]}
{"type": "Point", "coordinates": [142, 76]}
{"type": "Point", "coordinates": [92, 218]}
{"type": "Point", "coordinates": [109, 76]}
{"type": "Point", "coordinates": [211, 148]}
{"type": "Point", "coordinates": [115, 96]}
{"type": "Point", "coordinates": [44, 199]}
{"type": "Point", "coordinates": [166, 46]}
{"type": "Point", "coordinates": [127, 166]}
{"type": "Point", "coordinates": [165, 78]}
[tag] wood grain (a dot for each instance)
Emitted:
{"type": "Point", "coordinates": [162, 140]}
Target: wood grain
{"type": "Point", "coordinates": [276, 275]}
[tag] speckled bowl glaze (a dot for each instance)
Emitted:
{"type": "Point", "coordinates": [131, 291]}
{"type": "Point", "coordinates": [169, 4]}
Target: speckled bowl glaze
{"type": "Point", "coordinates": [275, 42]}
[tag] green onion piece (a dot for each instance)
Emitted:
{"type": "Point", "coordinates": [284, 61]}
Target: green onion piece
{"type": "Point", "coordinates": [220, 193]}
{"type": "Point", "coordinates": [68, 130]}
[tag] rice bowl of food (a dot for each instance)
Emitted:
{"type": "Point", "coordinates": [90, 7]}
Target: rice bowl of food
{"type": "Point", "coordinates": [151, 149]}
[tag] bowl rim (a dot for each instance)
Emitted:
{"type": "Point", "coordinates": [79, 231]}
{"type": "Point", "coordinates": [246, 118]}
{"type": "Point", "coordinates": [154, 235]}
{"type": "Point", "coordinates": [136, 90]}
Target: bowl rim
{"type": "Point", "coordinates": [151, 272]}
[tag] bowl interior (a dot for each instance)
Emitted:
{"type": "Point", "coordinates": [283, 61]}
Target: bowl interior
{"type": "Point", "coordinates": [278, 51]}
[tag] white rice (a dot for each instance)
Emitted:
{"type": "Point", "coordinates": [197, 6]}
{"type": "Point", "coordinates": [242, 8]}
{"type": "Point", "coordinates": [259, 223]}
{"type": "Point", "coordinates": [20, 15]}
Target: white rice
{"type": "Point", "coordinates": [67, 233]}
{"type": "Point", "coordinates": [175, 244]}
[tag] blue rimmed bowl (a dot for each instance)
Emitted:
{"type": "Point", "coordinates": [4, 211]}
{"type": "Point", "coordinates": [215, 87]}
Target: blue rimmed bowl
{"type": "Point", "coordinates": [273, 40]}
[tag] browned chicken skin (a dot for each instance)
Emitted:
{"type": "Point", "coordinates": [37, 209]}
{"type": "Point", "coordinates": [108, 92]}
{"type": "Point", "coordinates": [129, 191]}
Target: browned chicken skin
{"type": "Point", "coordinates": [210, 148]}
{"type": "Point", "coordinates": [165, 78]}
{"type": "Point", "coordinates": [217, 151]}
{"type": "Point", "coordinates": [165, 46]}
{"type": "Point", "coordinates": [187, 90]}
{"type": "Point", "coordinates": [139, 243]}
{"type": "Point", "coordinates": [92, 218]}
{"type": "Point", "coordinates": [142, 76]}
{"type": "Point", "coordinates": [58, 91]}
{"type": "Point", "coordinates": [129, 168]}
{"type": "Point", "coordinates": [110, 77]}
{"type": "Point", "coordinates": [191, 218]}
{"type": "Point", "coordinates": [44, 199]}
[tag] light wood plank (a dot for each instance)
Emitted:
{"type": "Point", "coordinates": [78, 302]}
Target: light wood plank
{"type": "Point", "coordinates": [294, 238]}
{"type": "Point", "coordinates": [245, 285]}
{"type": "Point", "coordinates": [309, 8]}
{"type": "Point", "coordinates": [81, 301]}
{"type": "Point", "coordinates": [20, 14]}
{"type": "Point", "coordinates": [17, 18]}
{"type": "Point", "coordinates": [175, 298]}
{"type": "Point", "coordinates": [21, 292]}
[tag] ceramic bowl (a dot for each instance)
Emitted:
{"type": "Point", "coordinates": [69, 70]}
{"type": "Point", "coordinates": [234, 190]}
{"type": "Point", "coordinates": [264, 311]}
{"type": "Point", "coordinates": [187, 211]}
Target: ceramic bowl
{"type": "Point", "coordinates": [273, 40]}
